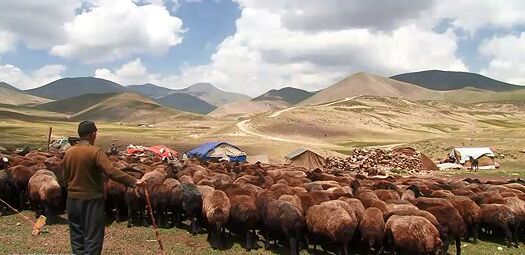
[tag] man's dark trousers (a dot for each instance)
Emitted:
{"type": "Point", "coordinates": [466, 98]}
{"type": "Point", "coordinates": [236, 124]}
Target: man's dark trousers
{"type": "Point", "coordinates": [86, 225]}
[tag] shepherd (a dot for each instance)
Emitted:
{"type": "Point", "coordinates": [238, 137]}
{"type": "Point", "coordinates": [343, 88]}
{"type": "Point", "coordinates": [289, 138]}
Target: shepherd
{"type": "Point", "coordinates": [84, 168]}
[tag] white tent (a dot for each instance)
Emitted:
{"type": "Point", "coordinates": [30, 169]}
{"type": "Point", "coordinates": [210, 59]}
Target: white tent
{"type": "Point", "coordinates": [484, 154]}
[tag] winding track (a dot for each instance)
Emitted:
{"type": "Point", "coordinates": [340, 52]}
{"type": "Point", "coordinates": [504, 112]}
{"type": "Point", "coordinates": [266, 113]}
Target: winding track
{"type": "Point", "coordinates": [247, 128]}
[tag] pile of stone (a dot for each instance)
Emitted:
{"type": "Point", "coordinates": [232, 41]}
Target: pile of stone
{"type": "Point", "coordinates": [374, 161]}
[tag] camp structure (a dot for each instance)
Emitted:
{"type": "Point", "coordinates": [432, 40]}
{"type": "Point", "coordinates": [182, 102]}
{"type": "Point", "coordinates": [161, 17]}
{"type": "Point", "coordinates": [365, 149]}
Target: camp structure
{"type": "Point", "coordinates": [426, 162]}
{"type": "Point", "coordinates": [484, 155]}
{"type": "Point", "coordinates": [161, 151]}
{"type": "Point", "coordinates": [218, 151]}
{"type": "Point", "coordinates": [306, 158]}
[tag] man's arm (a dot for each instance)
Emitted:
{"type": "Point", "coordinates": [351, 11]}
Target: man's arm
{"type": "Point", "coordinates": [104, 164]}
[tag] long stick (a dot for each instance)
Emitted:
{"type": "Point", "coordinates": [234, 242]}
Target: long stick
{"type": "Point", "coordinates": [49, 138]}
{"type": "Point", "coordinates": [16, 211]}
{"type": "Point", "coordinates": [150, 209]}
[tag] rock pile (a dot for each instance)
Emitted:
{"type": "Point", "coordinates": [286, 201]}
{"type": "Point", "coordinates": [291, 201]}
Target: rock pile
{"type": "Point", "coordinates": [374, 161]}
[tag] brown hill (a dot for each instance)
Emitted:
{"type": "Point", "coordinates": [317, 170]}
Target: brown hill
{"type": "Point", "coordinates": [373, 120]}
{"type": "Point", "coordinates": [129, 107]}
{"type": "Point", "coordinates": [13, 97]}
{"type": "Point", "coordinates": [368, 84]}
{"type": "Point", "coordinates": [76, 104]}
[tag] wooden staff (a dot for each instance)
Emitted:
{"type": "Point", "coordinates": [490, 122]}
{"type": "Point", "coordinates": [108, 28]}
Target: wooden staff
{"type": "Point", "coordinates": [150, 209]}
{"type": "Point", "coordinates": [49, 138]}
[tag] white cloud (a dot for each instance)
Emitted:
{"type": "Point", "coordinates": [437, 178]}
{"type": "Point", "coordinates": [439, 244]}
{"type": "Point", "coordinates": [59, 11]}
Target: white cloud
{"type": "Point", "coordinates": [265, 55]}
{"type": "Point", "coordinates": [15, 76]}
{"type": "Point", "coordinates": [131, 73]}
{"type": "Point", "coordinates": [508, 55]}
{"type": "Point", "coordinates": [114, 29]}
{"type": "Point", "coordinates": [472, 15]}
{"type": "Point", "coordinates": [7, 41]}
{"type": "Point", "coordinates": [35, 22]}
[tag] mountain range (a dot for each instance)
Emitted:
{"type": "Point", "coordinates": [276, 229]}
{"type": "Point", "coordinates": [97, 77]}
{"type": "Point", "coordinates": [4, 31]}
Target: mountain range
{"type": "Point", "coordinates": [447, 80]}
{"type": "Point", "coordinates": [202, 90]}
{"type": "Point", "coordinates": [74, 95]}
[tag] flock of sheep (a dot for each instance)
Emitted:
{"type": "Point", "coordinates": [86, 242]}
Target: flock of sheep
{"type": "Point", "coordinates": [291, 206]}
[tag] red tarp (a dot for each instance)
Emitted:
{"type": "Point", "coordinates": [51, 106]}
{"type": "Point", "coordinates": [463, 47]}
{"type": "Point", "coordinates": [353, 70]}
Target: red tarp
{"type": "Point", "coordinates": [160, 150]}
{"type": "Point", "coordinates": [163, 151]}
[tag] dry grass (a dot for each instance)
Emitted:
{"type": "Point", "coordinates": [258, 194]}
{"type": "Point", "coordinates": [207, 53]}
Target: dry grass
{"type": "Point", "coordinates": [16, 238]}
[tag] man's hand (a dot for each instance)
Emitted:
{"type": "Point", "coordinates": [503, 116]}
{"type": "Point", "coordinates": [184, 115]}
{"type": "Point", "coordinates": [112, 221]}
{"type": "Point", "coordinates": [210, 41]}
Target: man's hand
{"type": "Point", "coordinates": [140, 183]}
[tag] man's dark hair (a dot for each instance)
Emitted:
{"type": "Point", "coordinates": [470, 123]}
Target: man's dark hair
{"type": "Point", "coordinates": [86, 127]}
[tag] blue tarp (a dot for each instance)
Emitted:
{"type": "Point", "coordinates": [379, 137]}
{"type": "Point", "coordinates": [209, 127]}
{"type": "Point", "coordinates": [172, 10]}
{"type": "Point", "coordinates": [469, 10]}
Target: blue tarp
{"type": "Point", "coordinates": [202, 151]}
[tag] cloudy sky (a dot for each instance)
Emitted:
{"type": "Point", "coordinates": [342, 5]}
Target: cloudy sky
{"type": "Point", "coordinates": [251, 46]}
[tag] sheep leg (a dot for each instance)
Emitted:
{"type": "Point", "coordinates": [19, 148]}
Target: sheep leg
{"type": "Point", "coordinates": [158, 216]}
{"type": "Point", "coordinates": [266, 240]}
{"type": "Point", "coordinates": [458, 246]}
{"type": "Point", "coordinates": [344, 249]}
{"type": "Point", "coordinates": [194, 226]}
{"type": "Point", "coordinates": [130, 217]}
{"type": "Point", "coordinates": [21, 202]}
{"type": "Point", "coordinates": [508, 235]}
{"type": "Point", "coordinates": [249, 240]}
{"type": "Point", "coordinates": [220, 237]}
{"type": "Point", "coordinates": [475, 232]}
{"type": "Point", "coordinates": [293, 246]}
{"type": "Point", "coordinates": [516, 241]}
{"type": "Point", "coordinates": [144, 216]}
{"type": "Point", "coordinates": [381, 249]}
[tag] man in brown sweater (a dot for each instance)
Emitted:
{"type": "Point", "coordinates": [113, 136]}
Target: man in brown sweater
{"type": "Point", "coordinates": [84, 169]}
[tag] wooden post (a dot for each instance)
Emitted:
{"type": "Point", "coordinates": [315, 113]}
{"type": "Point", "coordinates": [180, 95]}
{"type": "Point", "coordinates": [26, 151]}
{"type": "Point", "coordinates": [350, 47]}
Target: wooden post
{"type": "Point", "coordinates": [49, 138]}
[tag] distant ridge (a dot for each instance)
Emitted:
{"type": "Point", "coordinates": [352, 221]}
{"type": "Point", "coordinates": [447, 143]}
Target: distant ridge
{"type": "Point", "coordinates": [10, 87]}
{"type": "Point", "coordinates": [130, 107]}
{"type": "Point", "coordinates": [70, 87]}
{"type": "Point", "coordinates": [287, 94]}
{"type": "Point", "coordinates": [369, 84]}
{"type": "Point", "coordinates": [186, 102]}
{"type": "Point", "coordinates": [13, 97]}
{"type": "Point", "coordinates": [448, 80]}
{"type": "Point", "coordinates": [75, 104]}
{"type": "Point", "coordinates": [150, 90]}
{"type": "Point", "coordinates": [212, 94]}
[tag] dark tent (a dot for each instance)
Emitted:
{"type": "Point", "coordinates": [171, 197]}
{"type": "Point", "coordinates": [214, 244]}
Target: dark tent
{"type": "Point", "coordinates": [305, 158]}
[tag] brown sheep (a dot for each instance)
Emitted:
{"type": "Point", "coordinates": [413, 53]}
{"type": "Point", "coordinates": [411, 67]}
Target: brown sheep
{"type": "Point", "coordinates": [216, 208]}
{"type": "Point", "coordinates": [372, 229]}
{"type": "Point", "coordinates": [357, 207]}
{"type": "Point", "coordinates": [412, 235]}
{"type": "Point", "coordinates": [186, 199]}
{"type": "Point", "coordinates": [442, 194]}
{"type": "Point", "coordinates": [244, 218]}
{"type": "Point", "coordinates": [452, 226]}
{"type": "Point", "coordinates": [518, 208]}
{"type": "Point", "coordinates": [115, 200]}
{"type": "Point", "coordinates": [331, 223]}
{"type": "Point", "coordinates": [136, 203]}
{"type": "Point", "coordinates": [20, 176]}
{"type": "Point", "coordinates": [7, 191]}
{"type": "Point", "coordinates": [498, 216]}
{"type": "Point", "coordinates": [55, 165]}
{"type": "Point", "coordinates": [411, 212]}
{"type": "Point", "coordinates": [45, 194]}
{"type": "Point", "coordinates": [470, 212]}
{"type": "Point", "coordinates": [282, 220]}
{"type": "Point", "coordinates": [160, 199]}
{"type": "Point", "coordinates": [367, 203]}
{"type": "Point", "coordinates": [312, 198]}
{"type": "Point", "coordinates": [385, 194]}
{"type": "Point", "coordinates": [294, 200]}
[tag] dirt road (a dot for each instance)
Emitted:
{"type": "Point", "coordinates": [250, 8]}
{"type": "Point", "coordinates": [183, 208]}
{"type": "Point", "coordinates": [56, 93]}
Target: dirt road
{"type": "Point", "coordinates": [246, 127]}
